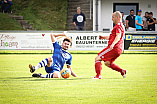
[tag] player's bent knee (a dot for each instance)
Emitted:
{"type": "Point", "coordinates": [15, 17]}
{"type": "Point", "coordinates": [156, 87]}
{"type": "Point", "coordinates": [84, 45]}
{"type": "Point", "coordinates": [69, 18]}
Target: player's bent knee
{"type": "Point", "coordinates": [56, 74]}
{"type": "Point", "coordinates": [107, 63]}
{"type": "Point", "coordinates": [97, 58]}
{"type": "Point", "coordinates": [49, 59]}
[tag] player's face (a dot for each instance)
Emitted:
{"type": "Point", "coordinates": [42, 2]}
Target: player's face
{"type": "Point", "coordinates": [114, 18]}
{"type": "Point", "coordinates": [65, 45]}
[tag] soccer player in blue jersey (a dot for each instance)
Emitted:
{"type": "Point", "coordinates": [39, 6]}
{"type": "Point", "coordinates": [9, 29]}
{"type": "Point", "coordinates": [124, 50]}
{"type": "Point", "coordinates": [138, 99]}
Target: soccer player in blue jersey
{"type": "Point", "coordinates": [53, 65]}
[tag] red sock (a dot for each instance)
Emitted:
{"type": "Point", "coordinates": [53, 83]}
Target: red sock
{"type": "Point", "coordinates": [98, 68]}
{"type": "Point", "coordinates": [115, 67]}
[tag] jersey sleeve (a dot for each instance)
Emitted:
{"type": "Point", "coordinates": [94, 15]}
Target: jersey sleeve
{"type": "Point", "coordinates": [56, 45]}
{"type": "Point", "coordinates": [118, 30]}
{"type": "Point", "coordinates": [69, 61]}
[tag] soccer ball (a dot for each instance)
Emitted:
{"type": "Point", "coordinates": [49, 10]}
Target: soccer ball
{"type": "Point", "coordinates": [65, 73]}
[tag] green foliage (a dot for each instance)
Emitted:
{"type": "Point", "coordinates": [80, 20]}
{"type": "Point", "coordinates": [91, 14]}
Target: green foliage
{"type": "Point", "coordinates": [43, 14]}
{"type": "Point", "coordinates": [140, 87]}
{"type": "Point", "coordinates": [7, 23]}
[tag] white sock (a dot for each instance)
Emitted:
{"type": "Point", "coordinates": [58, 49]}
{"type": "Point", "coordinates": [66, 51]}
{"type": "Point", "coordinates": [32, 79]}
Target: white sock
{"type": "Point", "coordinates": [43, 76]}
{"type": "Point", "coordinates": [37, 67]}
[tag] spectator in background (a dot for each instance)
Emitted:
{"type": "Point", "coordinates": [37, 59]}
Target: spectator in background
{"type": "Point", "coordinates": [144, 19]}
{"type": "Point", "coordinates": [130, 21]}
{"type": "Point", "coordinates": [151, 22]}
{"type": "Point", "coordinates": [79, 20]}
{"type": "Point", "coordinates": [4, 2]}
{"type": "Point", "coordinates": [138, 21]}
{"type": "Point", "coordinates": [123, 21]}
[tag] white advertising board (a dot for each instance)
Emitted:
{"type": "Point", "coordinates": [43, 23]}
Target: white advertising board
{"type": "Point", "coordinates": [42, 41]}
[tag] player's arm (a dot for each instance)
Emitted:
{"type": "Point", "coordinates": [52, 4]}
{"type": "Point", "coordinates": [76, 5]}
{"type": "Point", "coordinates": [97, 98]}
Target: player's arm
{"type": "Point", "coordinates": [72, 72]}
{"type": "Point", "coordinates": [138, 23]}
{"type": "Point", "coordinates": [117, 38]}
{"type": "Point", "coordinates": [104, 37]}
{"type": "Point", "coordinates": [53, 36]}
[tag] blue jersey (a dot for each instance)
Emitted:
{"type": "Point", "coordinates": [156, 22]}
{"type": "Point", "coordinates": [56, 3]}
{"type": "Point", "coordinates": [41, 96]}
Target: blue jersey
{"type": "Point", "coordinates": [60, 57]}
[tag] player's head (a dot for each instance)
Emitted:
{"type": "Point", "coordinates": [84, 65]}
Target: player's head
{"type": "Point", "coordinates": [116, 17]}
{"type": "Point", "coordinates": [78, 10]}
{"type": "Point", "coordinates": [66, 43]}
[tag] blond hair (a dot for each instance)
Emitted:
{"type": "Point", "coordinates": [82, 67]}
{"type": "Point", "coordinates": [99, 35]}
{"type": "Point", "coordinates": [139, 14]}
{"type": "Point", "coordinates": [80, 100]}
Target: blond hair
{"type": "Point", "coordinates": [118, 14]}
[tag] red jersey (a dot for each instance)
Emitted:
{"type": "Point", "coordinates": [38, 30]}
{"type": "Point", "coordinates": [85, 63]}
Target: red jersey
{"type": "Point", "coordinates": [118, 28]}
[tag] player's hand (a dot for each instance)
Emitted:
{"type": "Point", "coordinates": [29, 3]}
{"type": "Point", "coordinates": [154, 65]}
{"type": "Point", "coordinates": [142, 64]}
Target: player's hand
{"type": "Point", "coordinates": [64, 33]}
{"type": "Point", "coordinates": [101, 37]}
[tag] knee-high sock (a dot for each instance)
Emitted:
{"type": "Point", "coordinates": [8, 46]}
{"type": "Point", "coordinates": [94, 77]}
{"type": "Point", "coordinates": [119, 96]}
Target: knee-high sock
{"type": "Point", "coordinates": [43, 63]}
{"type": "Point", "coordinates": [49, 75]}
{"type": "Point", "coordinates": [98, 68]}
{"type": "Point", "coordinates": [115, 67]}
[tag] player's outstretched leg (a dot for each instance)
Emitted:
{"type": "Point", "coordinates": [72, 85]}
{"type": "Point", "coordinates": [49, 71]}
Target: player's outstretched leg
{"type": "Point", "coordinates": [117, 68]}
{"type": "Point", "coordinates": [49, 75]}
{"type": "Point", "coordinates": [55, 74]}
{"type": "Point", "coordinates": [41, 64]}
{"type": "Point", "coordinates": [36, 75]}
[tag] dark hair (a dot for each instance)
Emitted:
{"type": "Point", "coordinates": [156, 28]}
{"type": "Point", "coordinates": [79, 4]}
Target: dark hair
{"type": "Point", "coordinates": [146, 12]}
{"type": "Point", "coordinates": [151, 13]}
{"type": "Point", "coordinates": [121, 12]}
{"type": "Point", "coordinates": [131, 10]}
{"type": "Point", "coordinates": [67, 39]}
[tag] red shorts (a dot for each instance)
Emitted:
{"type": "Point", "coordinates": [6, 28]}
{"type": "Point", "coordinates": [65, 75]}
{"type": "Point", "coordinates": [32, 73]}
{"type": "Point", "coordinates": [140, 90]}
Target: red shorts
{"type": "Point", "coordinates": [109, 55]}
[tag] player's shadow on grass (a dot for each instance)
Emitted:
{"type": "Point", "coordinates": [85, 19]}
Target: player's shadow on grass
{"type": "Point", "coordinates": [20, 77]}
{"type": "Point", "coordinates": [46, 79]}
{"type": "Point", "coordinates": [43, 79]}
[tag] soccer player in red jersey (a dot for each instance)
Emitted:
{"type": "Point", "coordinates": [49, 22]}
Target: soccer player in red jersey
{"type": "Point", "coordinates": [114, 49]}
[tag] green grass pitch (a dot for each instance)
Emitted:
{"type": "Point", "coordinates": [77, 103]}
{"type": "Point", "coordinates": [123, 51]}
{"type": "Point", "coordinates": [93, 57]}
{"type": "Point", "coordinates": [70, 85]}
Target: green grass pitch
{"type": "Point", "coordinates": [140, 87]}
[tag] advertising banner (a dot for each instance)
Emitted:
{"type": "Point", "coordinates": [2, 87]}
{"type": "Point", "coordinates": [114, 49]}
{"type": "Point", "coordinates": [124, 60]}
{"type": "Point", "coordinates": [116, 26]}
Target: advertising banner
{"type": "Point", "coordinates": [140, 42]}
{"type": "Point", "coordinates": [25, 41]}
{"type": "Point", "coordinates": [42, 41]}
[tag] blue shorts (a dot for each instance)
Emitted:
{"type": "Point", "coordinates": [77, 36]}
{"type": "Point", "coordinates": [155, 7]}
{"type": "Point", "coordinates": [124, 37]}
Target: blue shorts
{"type": "Point", "coordinates": [50, 69]}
